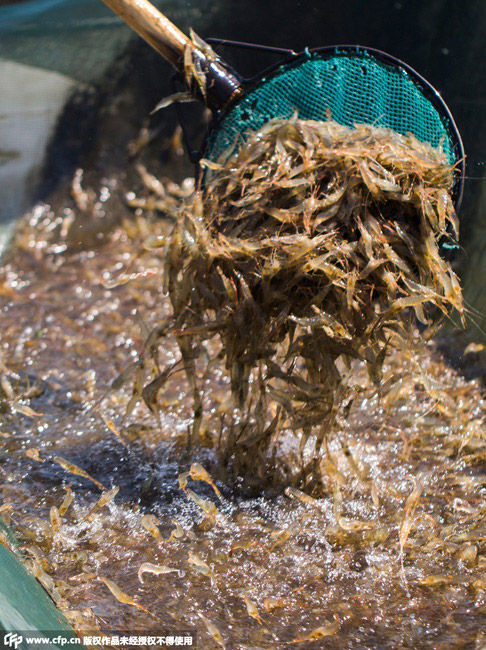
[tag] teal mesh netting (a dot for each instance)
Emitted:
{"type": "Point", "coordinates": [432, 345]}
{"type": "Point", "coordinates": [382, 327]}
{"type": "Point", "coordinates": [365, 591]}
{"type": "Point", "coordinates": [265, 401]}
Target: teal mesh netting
{"type": "Point", "coordinates": [352, 87]}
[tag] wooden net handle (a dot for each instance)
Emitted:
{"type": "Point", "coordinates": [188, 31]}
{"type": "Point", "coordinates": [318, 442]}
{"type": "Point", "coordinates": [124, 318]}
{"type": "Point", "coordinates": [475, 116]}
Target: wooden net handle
{"type": "Point", "coordinates": [154, 27]}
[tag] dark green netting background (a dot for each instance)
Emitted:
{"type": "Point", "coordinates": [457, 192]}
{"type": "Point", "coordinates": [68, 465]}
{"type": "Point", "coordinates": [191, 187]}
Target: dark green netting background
{"type": "Point", "coordinates": [79, 38]}
{"type": "Point", "coordinates": [351, 86]}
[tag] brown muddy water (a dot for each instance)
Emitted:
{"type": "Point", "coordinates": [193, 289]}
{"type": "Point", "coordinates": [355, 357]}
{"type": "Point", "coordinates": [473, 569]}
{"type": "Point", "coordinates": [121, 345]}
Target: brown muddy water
{"type": "Point", "coordinates": [392, 556]}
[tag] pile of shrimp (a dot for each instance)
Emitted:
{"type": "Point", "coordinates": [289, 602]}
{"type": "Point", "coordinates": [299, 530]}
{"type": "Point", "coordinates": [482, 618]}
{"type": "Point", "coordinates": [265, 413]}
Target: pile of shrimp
{"type": "Point", "coordinates": [305, 251]}
{"type": "Point", "coordinates": [127, 532]}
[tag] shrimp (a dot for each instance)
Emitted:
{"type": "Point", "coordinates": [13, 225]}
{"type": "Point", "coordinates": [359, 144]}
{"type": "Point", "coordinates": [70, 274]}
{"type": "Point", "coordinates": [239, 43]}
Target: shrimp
{"type": "Point", "coordinates": [199, 565]}
{"type": "Point", "coordinates": [55, 520]}
{"type": "Point", "coordinates": [182, 480]}
{"type": "Point", "coordinates": [74, 469]}
{"type": "Point", "coordinates": [149, 522]}
{"type": "Point", "coordinates": [328, 629]}
{"type": "Point", "coordinates": [213, 631]}
{"type": "Point", "coordinates": [112, 427]}
{"type": "Point", "coordinates": [66, 502]}
{"type": "Point", "coordinates": [198, 473]}
{"type": "Point", "coordinates": [33, 453]}
{"type": "Point", "coordinates": [122, 597]}
{"type": "Point", "coordinates": [271, 603]}
{"type": "Point", "coordinates": [282, 536]}
{"type": "Point", "coordinates": [178, 532]}
{"type": "Point", "coordinates": [157, 570]}
{"type": "Point", "coordinates": [252, 609]}
{"type": "Point", "coordinates": [302, 496]}
{"type": "Point", "coordinates": [106, 497]}
{"type": "Point", "coordinates": [206, 506]}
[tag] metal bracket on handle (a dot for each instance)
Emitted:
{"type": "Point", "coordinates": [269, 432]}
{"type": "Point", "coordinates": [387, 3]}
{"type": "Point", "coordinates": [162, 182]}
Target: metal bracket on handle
{"type": "Point", "coordinates": [251, 46]}
{"type": "Point", "coordinates": [285, 54]}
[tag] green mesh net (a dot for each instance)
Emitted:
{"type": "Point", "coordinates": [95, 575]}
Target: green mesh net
{"type": "Point", "coordinates": [350, 86]}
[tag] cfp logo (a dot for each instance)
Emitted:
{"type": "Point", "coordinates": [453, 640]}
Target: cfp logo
{"type": "Point", "coordinates": [13, 640]}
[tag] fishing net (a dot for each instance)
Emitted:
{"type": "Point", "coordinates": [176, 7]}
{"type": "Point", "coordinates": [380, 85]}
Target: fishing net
{"type": "Point", "coordinates": [302, 256]}
{"type": "Point", "coordinates": [350, 86]}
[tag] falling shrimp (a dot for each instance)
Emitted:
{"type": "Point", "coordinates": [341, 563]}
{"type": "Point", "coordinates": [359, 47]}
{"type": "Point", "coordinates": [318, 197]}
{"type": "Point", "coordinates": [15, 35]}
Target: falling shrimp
{"type": "Point", "coordinates": [113, 428]}
{"type": "Point", "coordinates": [74, 469]}
{"type": "Point", "coordinates": [106, 497]}
{"type": "Point", "coordinates": [206, 505]}
{"type": "Point", "coordinates": [55, 520]}
{"type": "Point", "coordinates": [182, 480]}
{"type": "Point", "coordinates": [410, 505]}
{"type": "Point", "coordinates": [283, 535]}
{"type": "Point", "coordinates": [198, 473]}
{"type": "Point", "coordinates": [66, 502]}
{"type": "Point", "coordinates": [149, 522]}
{"type": "Point", "coordinates": [302, 496]}
{"type": "Point", "coordinates": [177, 533]}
